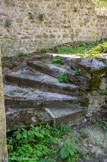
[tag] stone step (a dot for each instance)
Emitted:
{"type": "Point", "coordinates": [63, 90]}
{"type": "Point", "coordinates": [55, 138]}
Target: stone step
{"type": "Point", "coordinates": [47, 68]}
{"type": "Point", "coordinates": [18, 117]}
{"type": "Point", "coordinates": [67, 115]}
{"type": "Point", "coordinates": [31, 78]}
{"type": "Point", "coordinates": [55, 70]}
{"type": "Point", "coordinates": [27, 97]}
{"type": "Point", "coordinates": [87, 65]}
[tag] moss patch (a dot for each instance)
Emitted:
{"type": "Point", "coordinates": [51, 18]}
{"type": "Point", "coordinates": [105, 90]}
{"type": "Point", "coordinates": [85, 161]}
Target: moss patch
{"type": "Point", "coordinates": [96, 79]}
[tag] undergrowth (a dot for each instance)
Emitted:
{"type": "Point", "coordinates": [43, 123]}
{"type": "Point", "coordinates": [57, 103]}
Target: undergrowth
{"type": "Point", "coordinates": [96, 51]}
{"type": "Point", "coordinates": [37, 142]}
{"type": "Point", "coordinates": [84, 49]}
{"type": "Point", "coordinates": [77, 48]}
{"type": "Point", "coordinates": [71, 49]}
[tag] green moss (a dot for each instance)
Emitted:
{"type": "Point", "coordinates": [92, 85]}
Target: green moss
{"type": "Point", "coordinates": [84, 102]}
{"type": "Point", "coordinates": [96, 79]}
{"type": "Point", "coordinates": [95, 83]}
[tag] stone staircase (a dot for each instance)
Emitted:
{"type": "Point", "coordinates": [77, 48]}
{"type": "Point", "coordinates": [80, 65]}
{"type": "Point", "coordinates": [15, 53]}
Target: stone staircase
{"type": "Point", "coordinates": [33, 94]}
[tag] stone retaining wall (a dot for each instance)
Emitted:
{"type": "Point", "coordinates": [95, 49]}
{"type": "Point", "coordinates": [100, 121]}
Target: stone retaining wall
{"type": "Point", "coordinates": [38, 24]}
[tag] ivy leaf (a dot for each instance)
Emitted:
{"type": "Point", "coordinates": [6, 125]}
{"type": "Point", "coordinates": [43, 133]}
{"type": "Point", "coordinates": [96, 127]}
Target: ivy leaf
{"type": "Point", "coordinates": [39, 135]}
{"type": "Point", "coordinates": [19, 136]}
{"type": "Point", "coordinates": [25, 135]}
{"type": "Point", "coordinates": [64, 153]}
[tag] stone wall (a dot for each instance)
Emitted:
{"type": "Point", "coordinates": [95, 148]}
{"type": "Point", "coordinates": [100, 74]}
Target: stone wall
{"type": "Point", "coordinates": [38, 24]}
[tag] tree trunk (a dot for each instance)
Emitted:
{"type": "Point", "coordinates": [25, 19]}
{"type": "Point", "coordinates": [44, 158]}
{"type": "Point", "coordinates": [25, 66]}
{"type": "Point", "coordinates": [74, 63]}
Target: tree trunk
{"type": "Point", "coordinates": [3, 145]}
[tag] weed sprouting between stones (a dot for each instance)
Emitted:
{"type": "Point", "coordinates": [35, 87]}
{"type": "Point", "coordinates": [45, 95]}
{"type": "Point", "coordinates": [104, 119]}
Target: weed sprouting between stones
{"type": "Point", "coordinates": [57, 60]}
{"type": "Point", "coordinates": [63, 78]}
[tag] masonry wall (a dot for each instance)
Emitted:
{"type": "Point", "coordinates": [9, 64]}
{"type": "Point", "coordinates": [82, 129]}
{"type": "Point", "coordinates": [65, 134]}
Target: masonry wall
{"type": "Point", "coordinates": [38, 24]}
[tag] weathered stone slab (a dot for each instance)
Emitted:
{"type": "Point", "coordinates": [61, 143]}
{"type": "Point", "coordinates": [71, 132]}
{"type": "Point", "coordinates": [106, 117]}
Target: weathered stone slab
{"type": "Point", "coordinates": [67, 115]}
{"type": "Point", "coordinates": [86, 65]}
{"type": "Point", "coordinates": [92, 68]}
{"type": "Point", "coordinates": [27, 97]}
{"type": "Point", "coordinates": [42, 81]}
{"type": "Point", "coordinates": [47, 68]}
{"type": "Point", "coordinates": [25, 117]}
{"type": "Point", "coordinates": [54, 70]}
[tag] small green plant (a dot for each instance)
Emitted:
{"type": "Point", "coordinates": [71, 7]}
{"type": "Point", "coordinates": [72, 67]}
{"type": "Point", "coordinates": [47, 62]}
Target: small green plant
{"type": "Point", "coordinates": [103, 124]}
{"type": "Point", "coordinates": [41, 17]}
{"type": "Point", "coordinates": [5, 62]}
{"type": "Point", "coordinates": [78, 72]}
{"type": "Point", "coordinates": [103, 92]}
{"type": "Point", "coordinates": [58, 60]}
{"type": "Point", "coordinates": [63, 78]}
{"type": "Point", "coordinates": [21, 53]}
{"type": "Point", "coordinates": [78, 125]}
{"type": "Point", "coordinates": [13, 58]}
{"type": "Point", "coordinates": [77, 137]}
{"type": "Point", "coordinates": [70, 152]}
{"type": "Point", "coordinates": [94, 121]}
{"type": "Point", "coordinates": [85, 133]}
{"type": "Point", "coordinates": [7, 24]}
{"type": "Point", "coordinates": [44, 50]}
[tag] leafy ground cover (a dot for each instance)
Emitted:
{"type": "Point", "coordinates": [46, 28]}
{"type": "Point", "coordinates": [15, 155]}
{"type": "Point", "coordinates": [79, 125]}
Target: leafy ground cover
{"type": "Point", "coordinates": [81, 142]}
{"type": "Point", "coordinates": [37, 142]}
{"type": "Point", "coordinates": [78, 48]}
{"type": "Point", "coordinates": [94, 52]}
{"type": "Point", "coordinates": [83, 49]}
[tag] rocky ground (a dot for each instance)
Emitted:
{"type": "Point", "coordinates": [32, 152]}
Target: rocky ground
{"type": "Point", "coordinates": [91, 137]}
